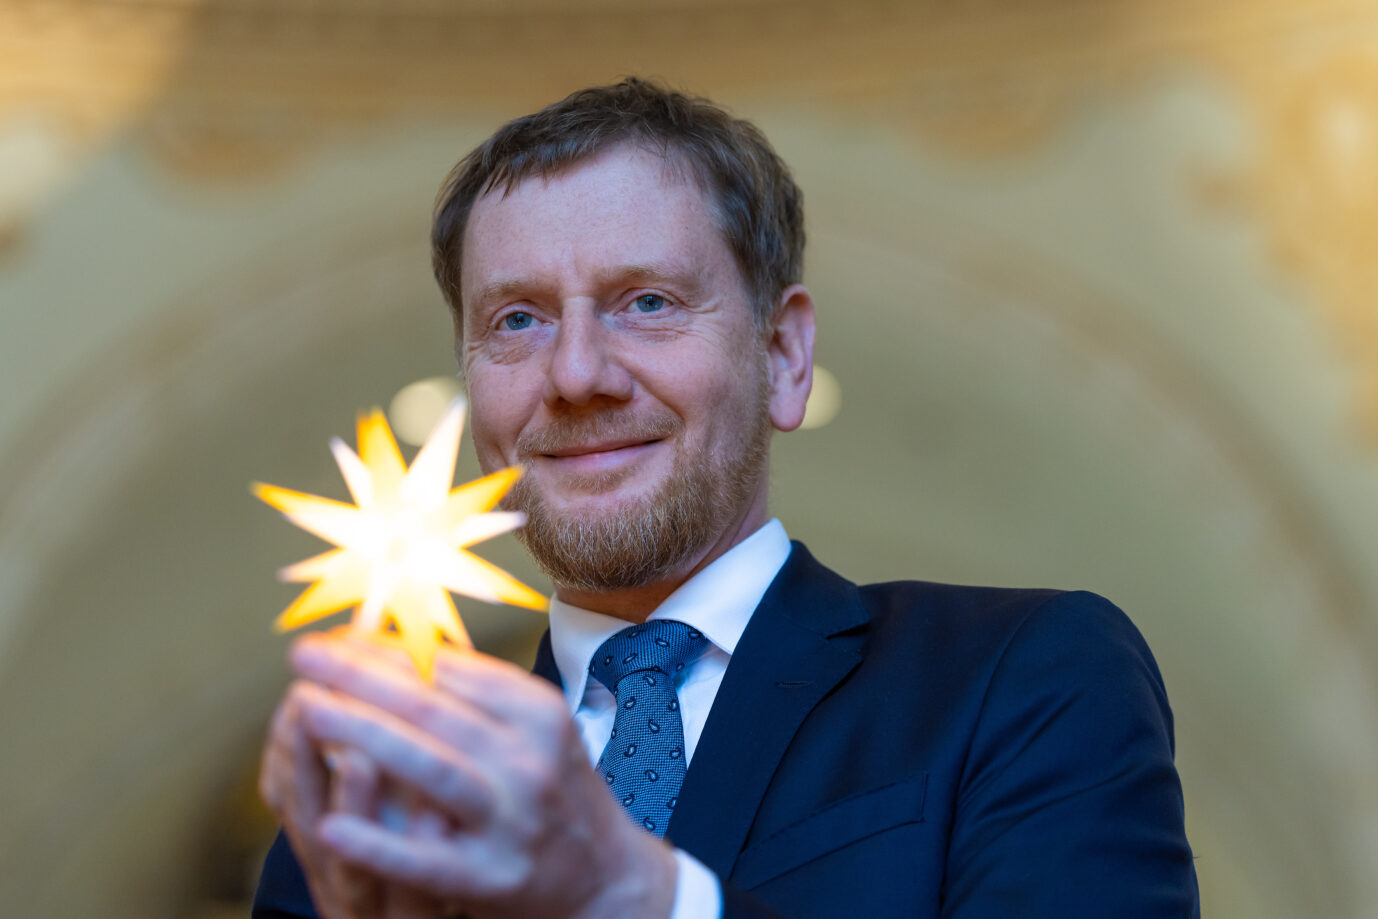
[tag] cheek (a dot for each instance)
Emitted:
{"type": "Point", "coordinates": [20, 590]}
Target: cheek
{"type": "Point", "coordinates": [495, 419]}
{"type": "Point", "coordinates": [485, 447]}
{"type": "Point", "coordinates": [726, 402]}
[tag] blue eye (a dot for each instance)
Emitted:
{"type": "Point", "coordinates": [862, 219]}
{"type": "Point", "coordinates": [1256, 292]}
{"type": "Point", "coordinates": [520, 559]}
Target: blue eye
{"type": "Point", "coordinates": [518, 321]}
{"type": "Point", "coordinates": [649, 303]}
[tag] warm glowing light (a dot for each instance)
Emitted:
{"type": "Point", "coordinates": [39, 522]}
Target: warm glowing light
{"type": "Point", "coordinates": [403, 543]}
{"type": "Point", "coordinates": [825, 399]}
{"type": "Point", "coordinates": [418, 407]}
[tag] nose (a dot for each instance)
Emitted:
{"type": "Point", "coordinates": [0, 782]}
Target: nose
{"type": "Point", "coordinates": [585, 363]}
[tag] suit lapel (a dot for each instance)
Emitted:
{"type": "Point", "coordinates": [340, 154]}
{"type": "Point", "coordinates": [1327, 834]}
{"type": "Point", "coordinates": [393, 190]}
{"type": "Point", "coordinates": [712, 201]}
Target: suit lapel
{"type": "Point", "coordinates": [545, 662]}
{"type": "Point", "coordinates": [792, 653]}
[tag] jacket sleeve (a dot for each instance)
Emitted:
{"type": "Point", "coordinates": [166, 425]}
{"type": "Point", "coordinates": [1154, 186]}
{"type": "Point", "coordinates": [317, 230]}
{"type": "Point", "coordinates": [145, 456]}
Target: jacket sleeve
{"type": "Point", "coordinates": [1069, 803]}
{"type": "Point", "coordinates": [738, 904]}
{"type": "Point", "coordinates": [282, 892]}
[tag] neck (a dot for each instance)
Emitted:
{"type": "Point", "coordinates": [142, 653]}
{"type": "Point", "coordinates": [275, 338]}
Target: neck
{"type": "Point", "coordinates": [634, 604]}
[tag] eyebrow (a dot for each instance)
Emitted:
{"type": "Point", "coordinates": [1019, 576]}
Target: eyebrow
{"type": "Point", "coordinates": [622, 274]}
{"type": "Point", "coordinates": [501, 290]}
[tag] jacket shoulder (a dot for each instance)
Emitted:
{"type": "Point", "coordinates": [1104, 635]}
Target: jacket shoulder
{"type": "Point", "coordinates": [973, 633]}
{"type": "Point", "coordinates": [957, 611]}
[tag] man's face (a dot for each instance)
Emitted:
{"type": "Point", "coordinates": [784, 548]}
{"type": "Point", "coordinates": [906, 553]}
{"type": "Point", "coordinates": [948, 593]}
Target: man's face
{"type": "Point", "coordinates": [609, 347]}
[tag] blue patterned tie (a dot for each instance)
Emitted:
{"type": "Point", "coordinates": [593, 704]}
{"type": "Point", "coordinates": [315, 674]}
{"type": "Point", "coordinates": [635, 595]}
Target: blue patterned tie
{"type": "Point", "coordinates": [643, 762]}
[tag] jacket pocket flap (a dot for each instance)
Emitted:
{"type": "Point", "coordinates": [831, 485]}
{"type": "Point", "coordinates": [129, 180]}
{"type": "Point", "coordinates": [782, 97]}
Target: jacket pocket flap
{"type": "Point", "coordinates": [837, 825]}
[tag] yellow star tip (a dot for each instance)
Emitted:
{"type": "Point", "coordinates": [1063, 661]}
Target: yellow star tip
{"type": "Point", "coordinates": [403, 546]}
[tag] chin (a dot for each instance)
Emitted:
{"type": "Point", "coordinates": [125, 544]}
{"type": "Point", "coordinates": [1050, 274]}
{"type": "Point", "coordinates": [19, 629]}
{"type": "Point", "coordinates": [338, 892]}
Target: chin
{"type": "Point", "coordinates": [580, 491]}
{"type": "Point", "coordinates": [590, 504]}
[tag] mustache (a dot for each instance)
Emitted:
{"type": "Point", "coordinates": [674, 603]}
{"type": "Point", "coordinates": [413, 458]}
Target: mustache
{"type": "Point", "coordinates": [568, 431]}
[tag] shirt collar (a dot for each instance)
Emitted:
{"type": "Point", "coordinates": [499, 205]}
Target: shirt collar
{"type": "Point", "coordinates": [718, 601]}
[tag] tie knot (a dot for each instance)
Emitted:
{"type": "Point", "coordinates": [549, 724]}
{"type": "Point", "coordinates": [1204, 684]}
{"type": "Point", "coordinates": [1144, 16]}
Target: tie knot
{"type": "Point", "coordinates": [655, 646]}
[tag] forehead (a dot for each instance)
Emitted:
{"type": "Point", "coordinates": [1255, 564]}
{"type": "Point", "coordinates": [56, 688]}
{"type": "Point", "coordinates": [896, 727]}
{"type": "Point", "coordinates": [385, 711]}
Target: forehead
{"type": "Point", "coordinates": [626, 205]}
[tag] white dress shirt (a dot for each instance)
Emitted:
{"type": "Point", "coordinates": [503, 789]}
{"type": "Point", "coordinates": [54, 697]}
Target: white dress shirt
{"type": "Point", "coordinates": [718, 601]}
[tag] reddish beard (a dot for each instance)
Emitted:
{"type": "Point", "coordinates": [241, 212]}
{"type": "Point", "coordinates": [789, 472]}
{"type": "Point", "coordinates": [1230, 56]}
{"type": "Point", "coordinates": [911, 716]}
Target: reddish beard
{"type": "Point", "coordinates": [652, 537]}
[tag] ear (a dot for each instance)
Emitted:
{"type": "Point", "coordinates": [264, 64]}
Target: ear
{"type": "Point", "coordinates": [790, 357]}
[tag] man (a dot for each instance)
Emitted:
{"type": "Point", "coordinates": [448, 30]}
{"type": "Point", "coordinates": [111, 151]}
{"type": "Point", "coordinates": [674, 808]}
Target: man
{"type": "Point", "coordinates": [623, 268]}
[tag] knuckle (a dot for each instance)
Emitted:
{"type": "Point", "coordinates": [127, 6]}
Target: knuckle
{"type": "Point", "coordinates": [543, 776]}
{"type": "Point", "coordinates": [431, 772]}
{"type": "Point", "coordinates": [564, 733]}
{"type": "Point", "coordinates": [550, 716]}
{"type": "Point", "coordinates": [452, 793]}
{"type": "Point", "coordinates": [269, 780]}
{"type": "Point", "coordinates": [426, 712]}
{"type": "Point", "coordinates": [281, 726]}
{"type": "Point", "coordinates": [298, 692]}
{"type": "Point", "coordinates": [267, 790]}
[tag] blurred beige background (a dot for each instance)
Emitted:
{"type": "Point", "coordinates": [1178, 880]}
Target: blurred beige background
{"type": "Point", "coordinates": [1096, 281]}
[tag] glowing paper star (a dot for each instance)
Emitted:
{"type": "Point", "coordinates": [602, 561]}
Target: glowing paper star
{"type": "Point", "coordinates": [403, 543]}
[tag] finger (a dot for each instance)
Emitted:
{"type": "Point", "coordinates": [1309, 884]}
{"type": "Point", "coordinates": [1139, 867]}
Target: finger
{"type": "Point", "coordinates": [400, 750]}
{"type": "Point", "coordinates": [302, 773]}
{"type": "Point", "coordinates": [493, 685]}
{"type": "Point", "coordinates": [296, 776]}
{"type": "Point", "coordinates": [270, 772]}
{"type": "Point", "coordinates": [434, 866]}
{"type": "Point", "coordinates": [401, 902]}
{"type": "Point", "coordinates": [276, 777]}
{"type": "Point", "coordinates": [430, 824]}
{"type": "Point", "coordinates": [373, 644]}
{"type": "Point", "coordinates": [362, 672]}
{"type": "Point", "coordinates": [356, 784]}
{"type": "Point", "coordinates": [488, 685]}
{"type": "Point", "coordinates": [353, 790]}
{"type": "Point", "coordinates": [354, 890]}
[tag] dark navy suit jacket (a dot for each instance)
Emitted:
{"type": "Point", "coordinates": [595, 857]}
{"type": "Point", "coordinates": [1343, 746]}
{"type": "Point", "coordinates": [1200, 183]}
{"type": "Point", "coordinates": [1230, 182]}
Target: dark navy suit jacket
{"type": "Point", "coordinates": [924, 750]}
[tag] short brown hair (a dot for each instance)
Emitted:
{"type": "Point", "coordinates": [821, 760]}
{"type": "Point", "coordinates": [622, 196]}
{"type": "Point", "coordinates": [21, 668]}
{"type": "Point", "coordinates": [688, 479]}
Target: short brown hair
{"type": "Point", "coordinates": [759, 208]}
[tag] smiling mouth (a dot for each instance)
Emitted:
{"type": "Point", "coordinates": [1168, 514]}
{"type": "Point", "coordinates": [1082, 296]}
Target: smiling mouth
{"type": "Point", "coordinates": [598, 440]}
{"type": "Point", "coordinates": [595, 449]}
